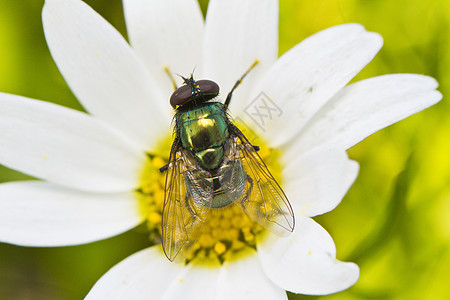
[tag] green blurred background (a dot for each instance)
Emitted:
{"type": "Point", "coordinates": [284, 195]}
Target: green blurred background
{"type": "Point", "coordinates": [395, 221]}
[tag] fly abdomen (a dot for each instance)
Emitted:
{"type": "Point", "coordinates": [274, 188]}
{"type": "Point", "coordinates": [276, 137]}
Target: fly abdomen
{"type": "Point", "coordinates": [220, 198]}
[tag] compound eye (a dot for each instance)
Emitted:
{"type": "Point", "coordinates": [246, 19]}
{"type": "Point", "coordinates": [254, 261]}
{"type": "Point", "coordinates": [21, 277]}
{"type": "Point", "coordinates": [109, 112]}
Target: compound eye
{"type": "Point", "coordinates": [181, 95]}
{"type": "Point", "coordinates": [202, 90]}
{"type": "Point", "coordinates": [208, 88]}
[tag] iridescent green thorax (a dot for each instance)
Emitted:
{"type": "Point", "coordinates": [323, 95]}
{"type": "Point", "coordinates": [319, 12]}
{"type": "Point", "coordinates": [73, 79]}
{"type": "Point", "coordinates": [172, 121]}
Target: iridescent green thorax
{"type": "Point", "coordinates": [203, 131]}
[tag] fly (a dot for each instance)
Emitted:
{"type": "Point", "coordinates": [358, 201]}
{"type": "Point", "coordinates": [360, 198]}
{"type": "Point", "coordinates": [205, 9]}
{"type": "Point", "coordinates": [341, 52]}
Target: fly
{"type": "Point", "coordinates": [212, 165]}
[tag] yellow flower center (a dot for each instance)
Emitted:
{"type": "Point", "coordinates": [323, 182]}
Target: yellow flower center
{"type": "Point", "coordinates": [227, 232]}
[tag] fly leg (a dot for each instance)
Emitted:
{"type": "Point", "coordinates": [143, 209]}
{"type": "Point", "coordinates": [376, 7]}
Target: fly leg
{"type": "Point", "coordinates": [249, 191]}
{"type": "Point", "coordinates": [174, 83]}
{"type": "Point", "coordinates": [238, 82]}
{"type": "Point", "coordinates": [242, 136]}
{"type": "Point", "coordinates": [188, 206]}
{"type": "Point", "coordinates": [164, 168]}
{"type": "Point", "coordinates": [173, 152]}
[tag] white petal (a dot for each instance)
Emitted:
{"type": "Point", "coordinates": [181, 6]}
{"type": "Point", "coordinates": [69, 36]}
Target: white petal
{"type": "Point", "coordinates": [316, 182]}
{"type": "Point", "coordinates": [194, 282]}
{"type": "Point", "coordinates": [308, 75]}
{"type": "Point", "coordinates": [244, 279]}
{"type": "Point", "coordinates": [65, 146]}
{"type": "Point", "coordinates": [238, 33]}
{"type": "Point", "coordinates": [36, 213]}
{"type": "Point", "coordinates": [166, 33]}
{"type": "Point", "coordinates": [305, 262]}
{"type": "Point", "coordinates": [103, 71]}
{"type": "Point", "coordinates": [365, 107]}
{"type": "Point", "coordinates": [146, 274]}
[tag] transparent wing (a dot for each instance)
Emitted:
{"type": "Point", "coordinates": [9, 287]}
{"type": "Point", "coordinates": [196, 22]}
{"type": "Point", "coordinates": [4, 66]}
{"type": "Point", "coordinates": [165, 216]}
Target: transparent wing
{"type": "Point", "coordinates": [188, 193]}
{"type": "Point", "coordinates": [245, 177]}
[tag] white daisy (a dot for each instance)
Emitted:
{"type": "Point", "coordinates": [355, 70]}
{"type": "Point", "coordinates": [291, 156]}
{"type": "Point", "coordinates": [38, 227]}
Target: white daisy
{"type": "Point", "coordinates": [92, 164]}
